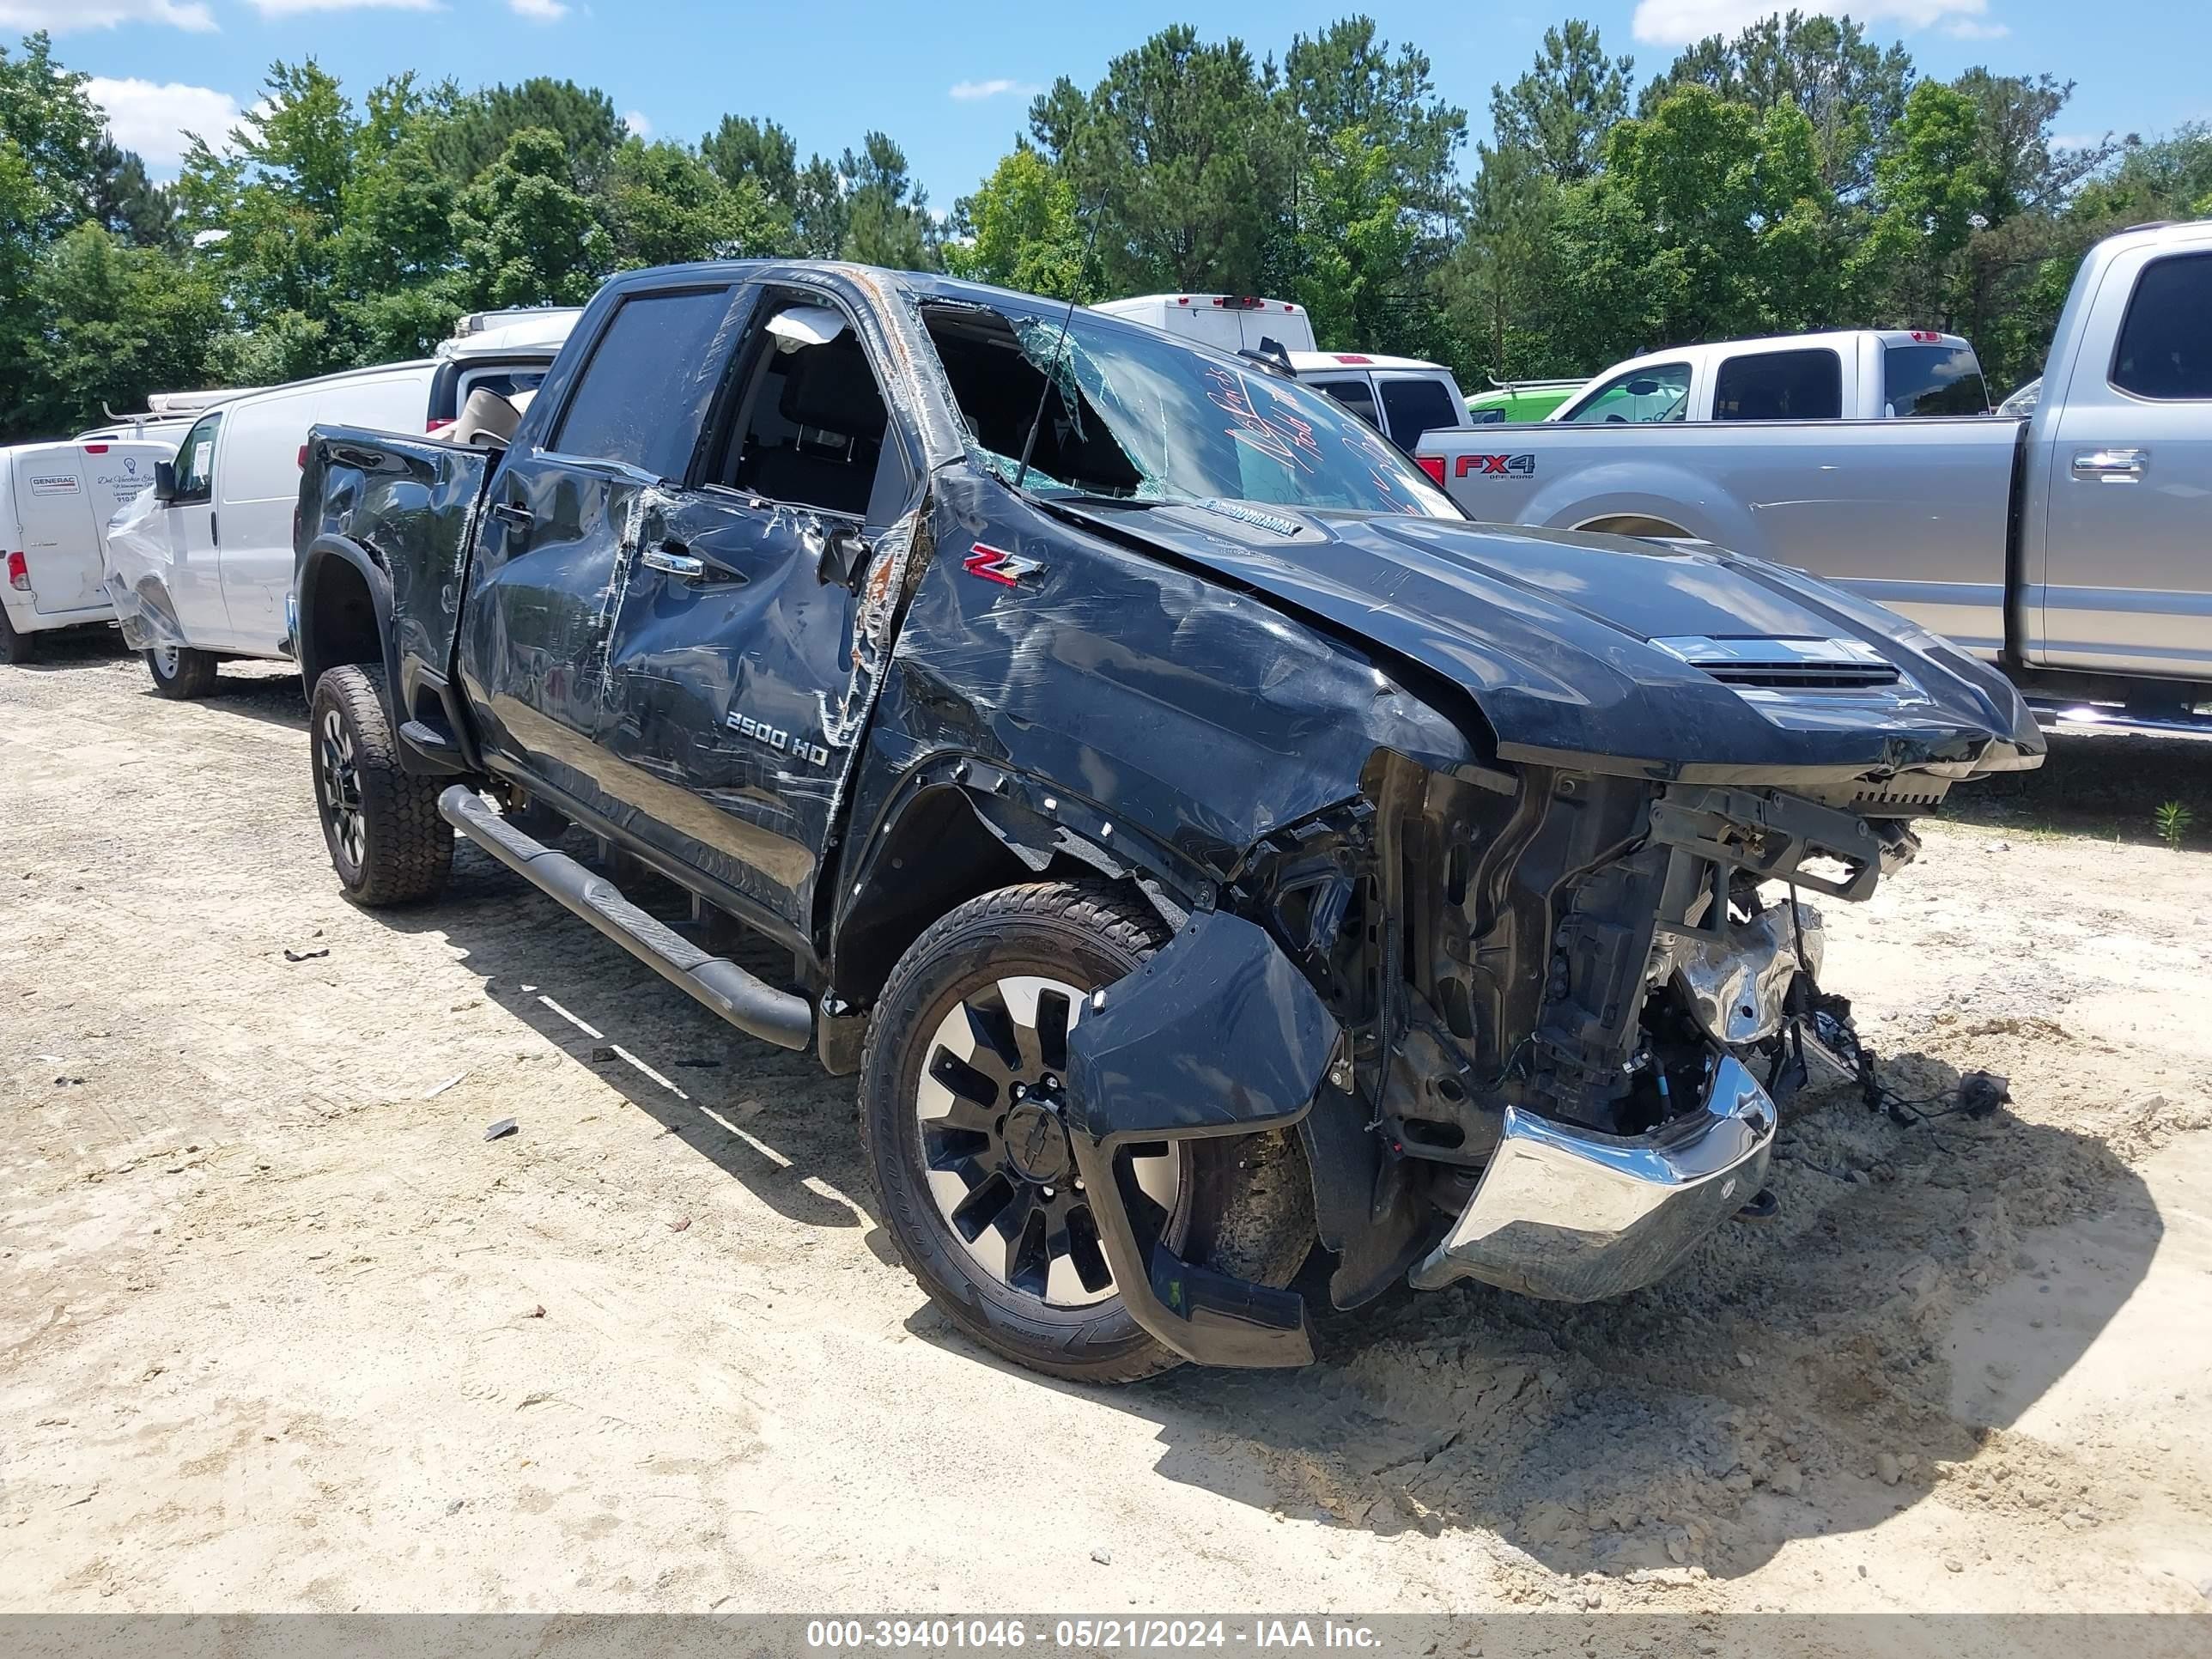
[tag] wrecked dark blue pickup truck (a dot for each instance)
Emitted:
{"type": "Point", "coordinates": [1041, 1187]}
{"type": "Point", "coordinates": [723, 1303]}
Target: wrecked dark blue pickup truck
{"type": "Point", "coordinates": [1205, 842]}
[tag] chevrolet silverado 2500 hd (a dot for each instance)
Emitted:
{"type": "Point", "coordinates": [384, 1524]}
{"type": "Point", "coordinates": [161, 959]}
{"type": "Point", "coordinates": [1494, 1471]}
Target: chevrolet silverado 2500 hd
{"type": "Point", "coordinates": [1200, 839]}
{"type": "Point", "coordinates": [2069, 547]}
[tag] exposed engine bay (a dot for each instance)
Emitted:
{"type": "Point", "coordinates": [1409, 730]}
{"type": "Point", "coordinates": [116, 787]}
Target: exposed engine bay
{"type": "Point", "coordinates": [1613, 978]}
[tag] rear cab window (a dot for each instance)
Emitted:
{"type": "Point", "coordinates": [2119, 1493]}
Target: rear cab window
{"type": "Point", "coordinates": [1356, 396]}
{"type": "Point", "coordinates": [642, 398]}
{"type": "Point", "coordinates": [2165, 349]}
{"type": "Point", "coordinates": [1414, 405]}
{"type": "Point", "coordinates": [1657, 392]}
{"type": "Point", "coordinates": [1933, 379]}
{"type": "Point", "coordinates": [1780, 385]}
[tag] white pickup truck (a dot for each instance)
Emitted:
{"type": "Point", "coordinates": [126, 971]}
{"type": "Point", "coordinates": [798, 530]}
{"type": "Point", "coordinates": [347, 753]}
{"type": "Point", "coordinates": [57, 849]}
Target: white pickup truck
{"type": "Point", "coordinates": [1857, 374]}
{"type": "Point", "coordinates": [2073, 548]}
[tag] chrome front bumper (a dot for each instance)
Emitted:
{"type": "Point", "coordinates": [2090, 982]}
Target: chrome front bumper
{"type": "Point", "coordinates": [1572, 1215]}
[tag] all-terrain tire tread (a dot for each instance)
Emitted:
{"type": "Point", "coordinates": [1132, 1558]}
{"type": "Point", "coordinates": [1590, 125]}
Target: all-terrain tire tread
{"type": "Point", "coordinates": [409, 847]}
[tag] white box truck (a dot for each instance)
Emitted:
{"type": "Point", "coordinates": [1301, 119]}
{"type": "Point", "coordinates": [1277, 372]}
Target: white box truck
{"type": "Point", "coordinates": [55, 502]}
{"type": "Point", "coordinates": [1227, 322]}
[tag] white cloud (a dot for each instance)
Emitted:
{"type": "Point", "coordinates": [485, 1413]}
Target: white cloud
{"type": "Point", "coordinates": [63, 16]}
{"type": "Point", "coordinates": [153, 119]}
{"type": "Point", "coordinates": [638, 124]}
{"type": "Point", "coordinates": [968, 92]}
{"type": "Point", "coordinates": [1678, 22]}
{"type": "Point", "coordinates": [1971, 28]}
{"type": "Point", "coordinates": [294, 7]}
{"type": "Point", "coordinates": [538, 11]}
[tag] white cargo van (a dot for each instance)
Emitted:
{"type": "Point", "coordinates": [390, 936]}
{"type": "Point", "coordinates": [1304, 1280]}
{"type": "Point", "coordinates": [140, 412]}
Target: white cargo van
{"type": "Point", "coordinates": [202, 570]}
{"type": "Point", "coordinates": [55, 502]}
{"type": "Point", "coordinates": [1228, 322]}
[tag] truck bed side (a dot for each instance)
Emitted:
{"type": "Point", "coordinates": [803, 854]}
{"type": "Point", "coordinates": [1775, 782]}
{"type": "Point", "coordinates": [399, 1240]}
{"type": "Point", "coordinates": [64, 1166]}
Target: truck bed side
{"type": "Point", "coordinates": [1912, 514]}
{"type": "Point", "coordinates": [410, 507]}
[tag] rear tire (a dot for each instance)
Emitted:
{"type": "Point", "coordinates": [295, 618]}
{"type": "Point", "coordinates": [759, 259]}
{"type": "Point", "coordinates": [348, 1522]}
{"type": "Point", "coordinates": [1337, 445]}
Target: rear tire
{"type": "Point", "coordinates": [386, 841]}
{"type": "Point", "coordinates": [1017, 965]}
{"type": "Point", "coordinates": [16, 647]}
{"type": "Point", "coordinates": [179, 673]}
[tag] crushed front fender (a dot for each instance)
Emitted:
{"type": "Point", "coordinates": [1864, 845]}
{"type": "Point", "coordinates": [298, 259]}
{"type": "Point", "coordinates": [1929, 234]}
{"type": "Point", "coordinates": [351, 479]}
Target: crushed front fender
{"type": "Point", "coordinates": [1218, 1034]}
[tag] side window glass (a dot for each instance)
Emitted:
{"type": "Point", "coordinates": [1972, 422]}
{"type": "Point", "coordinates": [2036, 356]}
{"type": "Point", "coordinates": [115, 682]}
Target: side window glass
{"type": "Point", "coordinates": [643, 397]}
{"type": "Point", "coordinates": [196, 461]}
{"type": "Point", "coordinates": [1660, 391]}
{"type": "Point", "coordinates": [810, 426]}
{"type": "Point", "coordinates": [1355, 395]}
{"type": "Point", "coordinates": [2166, 343]}
{"type": "Point", "coordinates": [1780, 385]}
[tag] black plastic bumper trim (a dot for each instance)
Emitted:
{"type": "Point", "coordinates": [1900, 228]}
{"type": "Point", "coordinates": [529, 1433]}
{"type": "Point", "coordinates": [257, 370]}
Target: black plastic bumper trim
{"type": "Point", "coordinates": [1218, 1034]}
{"type": "Point", "coordinates": [748, 1002]}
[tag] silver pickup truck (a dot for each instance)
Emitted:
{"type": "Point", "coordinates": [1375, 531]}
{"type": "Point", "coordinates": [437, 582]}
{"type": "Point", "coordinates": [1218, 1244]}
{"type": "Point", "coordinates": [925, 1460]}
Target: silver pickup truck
{"type": "Point", "coordinates": [2073, 548]}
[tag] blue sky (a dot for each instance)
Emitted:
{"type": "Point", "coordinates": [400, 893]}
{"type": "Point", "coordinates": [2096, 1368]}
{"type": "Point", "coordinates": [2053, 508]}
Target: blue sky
{"type": "Point", "coordinates": [950, 81]}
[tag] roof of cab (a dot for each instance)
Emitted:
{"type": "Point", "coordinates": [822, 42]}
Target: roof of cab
{"type": "Point", "coordinates": [1312, 362]}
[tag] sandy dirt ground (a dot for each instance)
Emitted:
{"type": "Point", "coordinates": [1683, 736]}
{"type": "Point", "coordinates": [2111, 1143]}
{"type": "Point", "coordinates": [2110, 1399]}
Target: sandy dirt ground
{"type": "Point", "coordinates": [280, 1329]}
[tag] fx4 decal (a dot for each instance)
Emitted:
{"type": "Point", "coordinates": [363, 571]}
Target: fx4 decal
{"type": "Point", "coordinates": [1496, 466]}
{"type": "Point", "coordinates": [996, 564]}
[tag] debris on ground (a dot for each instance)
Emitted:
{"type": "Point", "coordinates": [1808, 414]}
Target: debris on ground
{"type": "Point", "coordinates": [505, 1127]}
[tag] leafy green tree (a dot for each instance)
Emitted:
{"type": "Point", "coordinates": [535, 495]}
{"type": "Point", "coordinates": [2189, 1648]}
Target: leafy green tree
{"type": "Point", "coordinates": [1345, 77]}
{"type": "Point", "coordinates": [1022, 232]}
{"type": "Point", "coordinates": [1184, 150]}
{"type": "Point", "coordinates": [666, 206]}
{"type": "Point", "coordinates": [820, 215]}
{"type": "Point", "coordinates": [887, 219]}
{"type": "Point", "coordinates": [741, 149]}
{"type": "Point", "coordinates": [1738, 200]}
{"type": "Point", "coordinates": [121, 197]}
{"type": "Point", "coordinates": [1851, 91]}
{"type": "Point", "coordinates": [1936, 180]}
{"type": "Point", "coordinates": [1496, 285]}
{"type": "Point", "coordinates": [1373, 191]}
{"type": "Point", "coordinates": [1561, 109]}
{"type": "Point", "coordinates": [484, 123]}
{"type": "Point", "coordinates": [56, 129]}
{"type": "Point", "coordinates": [528, 235]}
{"type": "Point", "coordinates": [277, 199]}
{"type": "Point", "coordinates": [1355, 239]}
{"type": "Point", "coordinates": [110, 323]}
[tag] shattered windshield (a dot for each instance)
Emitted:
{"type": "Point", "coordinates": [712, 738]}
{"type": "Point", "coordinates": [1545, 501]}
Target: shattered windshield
{"type": "Point", "coordinates": [1136, 415]}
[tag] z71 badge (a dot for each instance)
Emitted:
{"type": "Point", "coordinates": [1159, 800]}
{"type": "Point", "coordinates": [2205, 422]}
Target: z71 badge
{"type": "Point", "coordinates": [809, 754]}
{"type": "Point", "coordinates": [1495, 466]}
{"type": "Point", "coordinates": [996, 564]}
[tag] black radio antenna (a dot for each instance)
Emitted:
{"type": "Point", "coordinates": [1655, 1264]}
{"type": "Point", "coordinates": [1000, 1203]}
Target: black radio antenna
{"type": "Point", "coordinates": [1052, 368]}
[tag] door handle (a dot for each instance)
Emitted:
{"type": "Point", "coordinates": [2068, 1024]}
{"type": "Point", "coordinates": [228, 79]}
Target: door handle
{"type": "Point", "coordinates": [515, 514]}
{"type": "Point", "coordinates": [215, 535]}
{"type": "Point", "coordinates": [671, 558]}
{"type": "Point", "coordinates": [2112, 465]}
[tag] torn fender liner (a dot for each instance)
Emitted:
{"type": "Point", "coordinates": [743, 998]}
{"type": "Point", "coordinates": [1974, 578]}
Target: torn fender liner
{"type": "Point", "coordinates": [1220, 1034]}
{"type": "Point", "coordinates": [1572, 1215]}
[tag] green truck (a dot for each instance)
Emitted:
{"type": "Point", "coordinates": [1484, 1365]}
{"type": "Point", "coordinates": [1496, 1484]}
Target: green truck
{"type": "Point", "coordinates": [1519, 400]}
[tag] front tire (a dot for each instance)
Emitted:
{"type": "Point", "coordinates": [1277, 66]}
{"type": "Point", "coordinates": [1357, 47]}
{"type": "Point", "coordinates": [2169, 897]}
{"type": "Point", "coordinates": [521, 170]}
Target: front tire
{"type": "Point", "coordinates": [179, 673]}
{"type": "Point", "coordinates": [961, 1094]}
{"type": "Point", "coordinates": [386, 840]}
